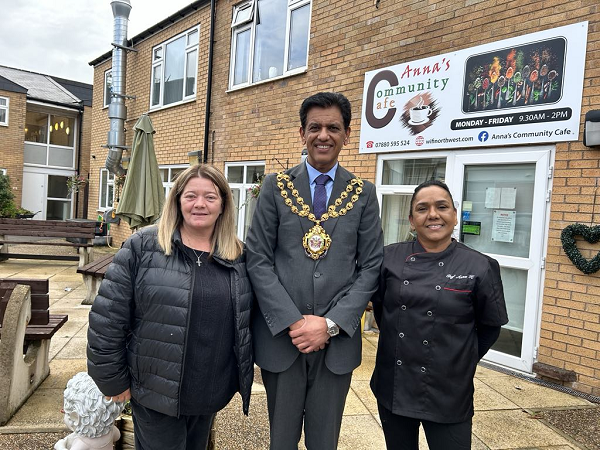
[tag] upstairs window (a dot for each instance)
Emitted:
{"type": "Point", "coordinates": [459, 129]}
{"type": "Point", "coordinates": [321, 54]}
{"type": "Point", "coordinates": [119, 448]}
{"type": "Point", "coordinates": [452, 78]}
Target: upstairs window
{"type": "Point", "coordinates": [107, 87]}
{"type": "Point", "coordinates": [4, 101]}
{"type": "Point", "coordinates": [175, 69]}
{"type": "Point", "coordinates": [269, 39]}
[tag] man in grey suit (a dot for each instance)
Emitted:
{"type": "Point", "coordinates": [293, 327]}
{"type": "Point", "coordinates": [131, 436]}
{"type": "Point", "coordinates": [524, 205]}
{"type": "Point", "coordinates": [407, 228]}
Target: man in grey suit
{"type": "Point", "coordinates": [314, 268]}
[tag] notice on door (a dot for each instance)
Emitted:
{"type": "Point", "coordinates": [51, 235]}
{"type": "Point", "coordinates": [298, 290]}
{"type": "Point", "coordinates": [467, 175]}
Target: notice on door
{"type": "Point", "coordinates": [504, 198]}
{"type": "Point", "coordinates": [503, 226]}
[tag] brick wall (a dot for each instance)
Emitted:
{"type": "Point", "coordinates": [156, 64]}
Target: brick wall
{"type": "Point", "coordinates": [11, 141]}
{"type": "Point", "coordinates": [346, 40]}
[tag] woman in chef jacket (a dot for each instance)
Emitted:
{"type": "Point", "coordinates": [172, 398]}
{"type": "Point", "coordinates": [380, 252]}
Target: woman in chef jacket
{"type": "Point", "coordinates": [440, 307]}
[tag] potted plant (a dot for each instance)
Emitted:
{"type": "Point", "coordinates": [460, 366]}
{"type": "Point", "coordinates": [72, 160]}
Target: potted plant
{"type": "Point", "coordinates": [75, 183]}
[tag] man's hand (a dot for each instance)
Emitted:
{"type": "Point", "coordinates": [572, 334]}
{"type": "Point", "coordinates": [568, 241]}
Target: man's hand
{"type": "Point", "coordinates": [309, 335]}
{"type": "Point", "coordinates": [122, 397]}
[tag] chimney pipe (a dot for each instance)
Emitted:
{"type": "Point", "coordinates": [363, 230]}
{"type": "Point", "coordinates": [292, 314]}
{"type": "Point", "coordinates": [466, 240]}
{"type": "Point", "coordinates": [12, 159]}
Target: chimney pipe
{"type": "Point", "coordinates": [117, 111]}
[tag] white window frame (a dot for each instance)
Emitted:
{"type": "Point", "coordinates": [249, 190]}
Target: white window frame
{"type": "Point", "coordinates": [168, 183]}
{"type": "Point", "coordinates": [160, 62]}
{"type": "Point", "coordinates": [243, 188]}
{"type": "Point", "coordinates": [48, 145]}
{"type": "Point", "coordinates": [5, 108]}
{"type": "Point", "coordinates": [240, 25]}
{"type": "Point", "coordinates": [106, 98]}
{"type": "Point", "coordinates": [110, 181]}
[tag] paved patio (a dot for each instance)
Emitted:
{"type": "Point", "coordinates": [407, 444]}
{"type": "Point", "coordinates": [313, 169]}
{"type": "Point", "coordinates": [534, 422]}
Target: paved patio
{"type": "Point", "coordinates": [506, 406]}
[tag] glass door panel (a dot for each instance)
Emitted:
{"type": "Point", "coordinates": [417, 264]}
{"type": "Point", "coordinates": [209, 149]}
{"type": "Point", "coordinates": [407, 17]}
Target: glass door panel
{"type": "Point", "coordinates": [394, 217]}
{"type": "Point", "coordinates": [502, 213]}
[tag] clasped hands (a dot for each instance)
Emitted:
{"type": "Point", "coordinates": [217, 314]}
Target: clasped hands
{"type": "Point", "coordinates": [309, 334]}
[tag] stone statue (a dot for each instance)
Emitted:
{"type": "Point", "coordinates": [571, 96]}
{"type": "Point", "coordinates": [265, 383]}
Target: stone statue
{"type": "Point", "coordinates": [89, 415]}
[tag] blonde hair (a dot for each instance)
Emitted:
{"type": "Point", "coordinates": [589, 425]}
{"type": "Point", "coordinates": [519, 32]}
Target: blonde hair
{"type": "Point", "coordinates": [224, 241]}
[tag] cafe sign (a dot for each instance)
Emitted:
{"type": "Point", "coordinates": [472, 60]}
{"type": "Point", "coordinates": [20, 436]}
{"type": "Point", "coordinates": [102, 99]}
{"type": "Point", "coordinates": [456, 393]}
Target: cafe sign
{"type": "Point", "coordinates": [522, 90]}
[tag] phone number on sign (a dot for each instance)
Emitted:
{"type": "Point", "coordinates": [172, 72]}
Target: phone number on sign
{"type": "Point", "coordinates": [391, 143]}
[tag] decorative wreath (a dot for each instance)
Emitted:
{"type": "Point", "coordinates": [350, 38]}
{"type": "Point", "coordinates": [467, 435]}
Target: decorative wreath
{"type": "Point", "coordinates": [591, 235]}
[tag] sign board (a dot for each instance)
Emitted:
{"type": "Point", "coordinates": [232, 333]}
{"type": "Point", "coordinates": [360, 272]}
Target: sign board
{"type": "Point", "coordinates": [521, 90]}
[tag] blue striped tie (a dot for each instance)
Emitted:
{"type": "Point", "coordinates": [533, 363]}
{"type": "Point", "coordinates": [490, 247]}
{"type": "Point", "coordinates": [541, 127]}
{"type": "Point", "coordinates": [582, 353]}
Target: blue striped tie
{"type": "Point", "coordinates": [320, 197]}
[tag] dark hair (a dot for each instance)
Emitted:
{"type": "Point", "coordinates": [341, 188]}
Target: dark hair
{"type": "Point", "coordinates": [326, 100]}
{"type": "Point", "coordinates": [430, 183]}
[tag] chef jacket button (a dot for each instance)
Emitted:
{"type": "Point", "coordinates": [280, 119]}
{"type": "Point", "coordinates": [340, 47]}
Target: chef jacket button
{"type": "Point", "coordinates": [401, 335]}
{"type": "Point", "coordinates": [441, 264]}
{"type": "Point", "coordinates": [399, 362]}
{"type": "Point", "coordinates": [429, 313]}
{"type": "Point", "coordinates": [438, 287]}
{"type": "Point", "coordinates": [423, 369]}
{"type": "Point", "coordinates": [425, 342]}
{"type": "Point", "coordinates": [405, 282]}
{"type": "Point", "coordinates": [413, 258]}
{"type": "Point", "coordinates": [317, 274]}
{"type": "Point", "coordinates": [308, 306]}
{"type": "Point", "coordinates": [403, 307]}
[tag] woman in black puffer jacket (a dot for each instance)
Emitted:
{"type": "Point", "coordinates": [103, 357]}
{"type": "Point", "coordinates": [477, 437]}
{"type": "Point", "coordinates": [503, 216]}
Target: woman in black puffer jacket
{"type": "Point", "coordinates": [169, 328]}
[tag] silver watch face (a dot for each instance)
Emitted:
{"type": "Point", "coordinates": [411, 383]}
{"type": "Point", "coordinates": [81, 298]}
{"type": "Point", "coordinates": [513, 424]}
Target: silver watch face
{"type": "Point", "coordinates": [333, 331]}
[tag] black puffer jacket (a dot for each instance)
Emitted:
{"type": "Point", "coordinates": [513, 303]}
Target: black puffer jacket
{"type": "Point", "coordinates": [138, 323]}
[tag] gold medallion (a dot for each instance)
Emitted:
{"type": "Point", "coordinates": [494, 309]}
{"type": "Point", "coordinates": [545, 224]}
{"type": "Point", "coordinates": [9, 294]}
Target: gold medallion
{"type": "Point", "coordinates": [316, 242]}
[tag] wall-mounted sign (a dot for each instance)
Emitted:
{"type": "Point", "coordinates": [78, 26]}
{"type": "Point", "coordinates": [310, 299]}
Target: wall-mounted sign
{"type": "Point", "coordinates": [503, 226]}
{"type": "Point", "coordinates": [521, 90]}
{"type": "Point", "coordinates": [469, 227]}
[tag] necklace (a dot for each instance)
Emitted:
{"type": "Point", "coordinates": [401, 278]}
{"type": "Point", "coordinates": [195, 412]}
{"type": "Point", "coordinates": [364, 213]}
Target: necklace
{"type": "Point", "coordinates": [316, 242]}
{"type": "Point", "coordinates": [198, 257]}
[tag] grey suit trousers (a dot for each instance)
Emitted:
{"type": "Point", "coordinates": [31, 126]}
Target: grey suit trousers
{"type": "Point", "coordinates": [307, 391]}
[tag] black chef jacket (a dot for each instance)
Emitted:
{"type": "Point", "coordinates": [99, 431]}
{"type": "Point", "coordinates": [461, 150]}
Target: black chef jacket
{"type": "Point", "coordinates": [428, 307]}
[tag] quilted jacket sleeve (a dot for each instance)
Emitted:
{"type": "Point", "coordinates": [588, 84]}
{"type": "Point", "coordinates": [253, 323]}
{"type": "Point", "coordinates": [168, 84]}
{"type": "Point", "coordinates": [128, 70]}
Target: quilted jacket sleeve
{"type": "Point", "coordinates": [110, 321]}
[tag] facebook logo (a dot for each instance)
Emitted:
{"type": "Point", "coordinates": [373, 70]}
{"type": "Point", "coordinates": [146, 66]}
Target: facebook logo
{"type": "Point", "coordinates": [483, 136]}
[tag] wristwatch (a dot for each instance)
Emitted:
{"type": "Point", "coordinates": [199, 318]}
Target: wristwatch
{"type": "Point", "coordinates": [332, 328]}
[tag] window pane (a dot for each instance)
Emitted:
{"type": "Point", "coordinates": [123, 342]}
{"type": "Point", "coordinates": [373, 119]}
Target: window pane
{"type": "Point", "coordinates": [2, 101]}
{"type": "Point", "coordinates": [58, 210]}
{"type": "Point", "coordinates": [36, 127]}
{"type": "Point", "coordinates": [413, 171]}
{"type": "Point", "coordinates": [157, 53]}
{"type": "Point", "coordinates": [242, 14]}
{"type": "Point", "coordinates": [175, 173]}
{"type": "Point", "coordinates": [250, 207]}
{"type": "Point", "coordinates": [241, 59]}
{"type": "Point", "coordinates": [103, 184]}
{"type": "Point", "coordinates": [192, 38]}
{"type": "Point", "coordinates": [34, 154]}
{"type": "Point", "coordinates": [235, 174]}
{"type": "Point", "coordinates": [62, 157]}
{"type": "Point", "coordinates": [57, 187]}
{"type": "Point", "coordinates": [164, 174]}
{"type": "Point", "coordinates": [156, 76]}
{"type": "Point", "coordinates": [111, 194]}
{"type": "Point", "coordinates": [298, 37]}
{"type": "Point", "coordinates": [236, 206]}
{"type": "Point", "coordinates": [269, 45]}
{"type": "Point", "coordinates": [394, 218]}
{"type": "Point", "coordinates": [253, 173]}
{"type": "Point", "coordinates": [174, 60]}
{"type": "Point", "coordinates": [2, 115]}
{"type": "Point", "coordinates": [62, 130]}
{"type": "Point", "coordinates": [107, 88]}
{"type": "Point", "coordinates": [190, 80]}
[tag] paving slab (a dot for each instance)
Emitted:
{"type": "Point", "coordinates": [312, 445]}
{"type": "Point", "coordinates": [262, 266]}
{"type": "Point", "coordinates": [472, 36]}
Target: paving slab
{"type": "Point", "coordinates": [486, 398]}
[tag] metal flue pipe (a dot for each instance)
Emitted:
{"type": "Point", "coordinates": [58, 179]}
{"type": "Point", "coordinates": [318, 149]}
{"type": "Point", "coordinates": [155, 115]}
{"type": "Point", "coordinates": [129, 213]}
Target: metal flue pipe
{"type": "Point", "coordinates": [117, 111]}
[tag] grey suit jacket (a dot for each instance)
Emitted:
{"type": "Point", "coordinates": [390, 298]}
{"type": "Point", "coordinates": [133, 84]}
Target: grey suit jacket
{"type": "Point", "coordinates": [288, 284]}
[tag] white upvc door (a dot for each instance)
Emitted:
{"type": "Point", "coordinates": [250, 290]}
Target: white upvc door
{"type": "Point", "coordinates": [502, 197]}
{"type": "Point", "coordinates": [45, 193]}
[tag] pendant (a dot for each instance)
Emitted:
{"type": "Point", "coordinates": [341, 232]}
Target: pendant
{"type": "Point", "coordinates": [199, 262]}
{"type": "Point", "coordinates": [316, 242]}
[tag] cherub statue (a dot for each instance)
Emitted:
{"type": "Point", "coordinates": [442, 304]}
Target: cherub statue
{"type": "Point", "coordinates": [89, 415]}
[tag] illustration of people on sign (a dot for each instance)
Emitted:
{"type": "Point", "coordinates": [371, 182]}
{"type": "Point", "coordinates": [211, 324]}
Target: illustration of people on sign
{"type": "Point", "coordinates": [419, 113]}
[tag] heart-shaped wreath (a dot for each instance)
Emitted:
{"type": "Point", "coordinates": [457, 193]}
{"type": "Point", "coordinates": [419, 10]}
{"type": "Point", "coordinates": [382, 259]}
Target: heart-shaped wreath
{"type": "Point", "coordinates": [591, 235]}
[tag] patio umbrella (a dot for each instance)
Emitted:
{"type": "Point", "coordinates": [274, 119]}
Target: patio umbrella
{"type": "Point", "coordinates": [143, 195]}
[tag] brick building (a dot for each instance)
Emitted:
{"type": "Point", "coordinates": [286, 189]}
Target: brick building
{"type": "Point", "coordinates": [516, 188]}
{"type": "Point", "coordinates": [45, 129]}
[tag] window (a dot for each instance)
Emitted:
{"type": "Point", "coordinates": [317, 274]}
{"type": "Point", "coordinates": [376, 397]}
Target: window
{"type": "Point", "coordinates": [242, 177]}
{"type": "Point", "coordinates": [399, 178]}
{"type": "Point", "coordinates": [168, 174]}
{"type": "Point", "coordinates": [269, 39]}
{"type": "Point", "coordinates": [107, 189]}
{"type": "Point", "coordinates": [49, 140]}
{"type": "Point", "coordinates": [4, 101]}
{"type": "Point", "coordinates": [107, 87]}
{"type": "Point", "coordinates": [174, 69]}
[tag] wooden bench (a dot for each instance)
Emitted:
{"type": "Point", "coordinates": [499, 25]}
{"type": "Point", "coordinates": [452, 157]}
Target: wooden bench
{"type": "Point", "coordinates": [93, 274]}
{"type": "Point", "coordinates": [25, 333]}
{"type": "Point", "coordinates": [77, 234]}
